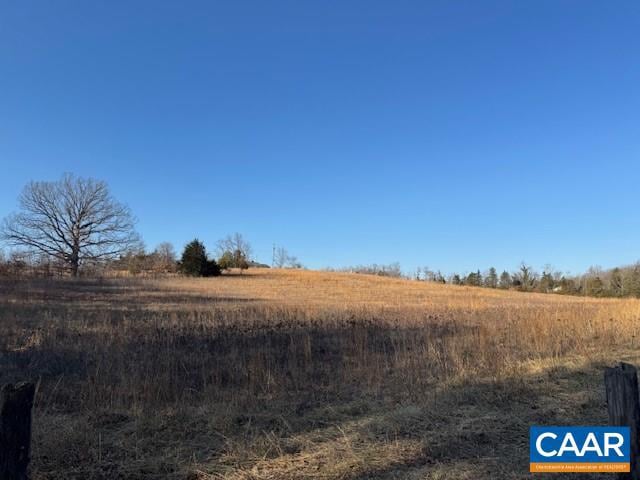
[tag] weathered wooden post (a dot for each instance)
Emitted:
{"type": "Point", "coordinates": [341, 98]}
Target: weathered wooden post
{"type": "Point", "coordinates": [623, 404]}
{"type": "Point", "coordinates": [16, 402]}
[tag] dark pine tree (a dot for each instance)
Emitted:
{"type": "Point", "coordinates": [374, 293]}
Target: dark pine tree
{"type": "Point", "coordinates": [194, 261]}
{"type": "Point", "coordinates": [491, 280]}
{"type": "Point", "coordinates": [505, 280]}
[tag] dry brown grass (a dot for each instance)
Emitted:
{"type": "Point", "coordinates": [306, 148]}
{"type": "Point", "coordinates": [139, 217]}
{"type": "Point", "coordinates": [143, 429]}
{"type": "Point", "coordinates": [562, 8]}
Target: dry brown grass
{"type": "Point", "coordinates": [295, 374]}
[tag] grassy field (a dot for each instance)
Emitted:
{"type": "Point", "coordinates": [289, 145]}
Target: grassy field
{"type": "Point", "coordinates": [295, 374]}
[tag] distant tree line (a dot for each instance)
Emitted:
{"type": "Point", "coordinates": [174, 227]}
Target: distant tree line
{"type": "Point", "coordinates": [596, 282]}
{"type": "Point", "coordinates": [75, 224]}
{"type": "Point", "coordinates": [392, 270]}
{"type": "Point", "coordinates": [525, 279]}
{"type": "Point", "coordinates": [233, 253]}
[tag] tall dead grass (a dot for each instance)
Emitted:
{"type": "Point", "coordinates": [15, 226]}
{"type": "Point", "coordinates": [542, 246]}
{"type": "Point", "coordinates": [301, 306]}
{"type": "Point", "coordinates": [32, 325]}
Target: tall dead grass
{"type": "Point", "coordinates": [291, 338]}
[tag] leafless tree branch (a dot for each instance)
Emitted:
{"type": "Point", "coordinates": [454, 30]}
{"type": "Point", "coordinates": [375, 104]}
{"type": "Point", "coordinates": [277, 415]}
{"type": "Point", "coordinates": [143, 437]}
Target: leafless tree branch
{"type": "Point", "coordinates": [75, 220]}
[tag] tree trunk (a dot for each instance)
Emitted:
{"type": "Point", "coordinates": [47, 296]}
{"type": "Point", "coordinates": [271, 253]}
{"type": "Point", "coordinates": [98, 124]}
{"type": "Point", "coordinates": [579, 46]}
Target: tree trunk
{"type": "Point", "coordinates": [16, 402]}
{"type": "Point", "coordinates": [623, 404]}
{"type": "Point", "coordinates": [75, 261]}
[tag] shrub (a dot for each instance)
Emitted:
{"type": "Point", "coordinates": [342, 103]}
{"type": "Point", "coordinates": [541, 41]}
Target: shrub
{"type": "Point", "coordinates": [237, 259]}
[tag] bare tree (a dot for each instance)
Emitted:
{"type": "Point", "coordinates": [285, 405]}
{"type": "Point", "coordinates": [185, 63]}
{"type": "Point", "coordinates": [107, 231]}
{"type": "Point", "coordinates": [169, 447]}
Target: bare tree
{"type": "Point", "coordinates": [390, 270]}
{"type": "Point", "coordinates": [164, 257]}
{"type": "Point", "coordinates": [237, 249]}
{"type": "Point", "coordinates": [74, 220]}
{"type": "Point", "coordinates": [282, 259]}
{"type": "Point", "coordinates": [429, 275]}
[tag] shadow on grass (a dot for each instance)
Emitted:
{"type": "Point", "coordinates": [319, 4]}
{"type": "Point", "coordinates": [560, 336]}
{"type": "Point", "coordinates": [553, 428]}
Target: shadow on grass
{"type": "Point", "coordinates": [84, 294]}
{"type": "Point", "coordinates": [130, 392]}
{"type": "Point", "coordinates": [481, 429]}
{"type": "Point", "coordinates": [474, 429]}
{"type": "Point", "coordinates": [467, 430]}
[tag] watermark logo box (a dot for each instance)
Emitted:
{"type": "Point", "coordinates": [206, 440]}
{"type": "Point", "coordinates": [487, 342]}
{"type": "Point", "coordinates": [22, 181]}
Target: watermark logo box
{"type": "Point", "coordinates": [579, 449]}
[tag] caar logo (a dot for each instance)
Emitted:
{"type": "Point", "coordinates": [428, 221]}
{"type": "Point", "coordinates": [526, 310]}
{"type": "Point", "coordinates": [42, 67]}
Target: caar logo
{"type": "Point", "coordinates": [579, 449]}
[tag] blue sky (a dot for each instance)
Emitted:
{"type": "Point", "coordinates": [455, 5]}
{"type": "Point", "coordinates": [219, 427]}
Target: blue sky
{"type": "Point", "coordinates": [453, 134]}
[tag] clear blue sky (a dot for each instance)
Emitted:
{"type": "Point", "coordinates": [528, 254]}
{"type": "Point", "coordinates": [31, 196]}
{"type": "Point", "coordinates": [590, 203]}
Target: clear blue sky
{"type": "Point", "coordinates": [454, 134]}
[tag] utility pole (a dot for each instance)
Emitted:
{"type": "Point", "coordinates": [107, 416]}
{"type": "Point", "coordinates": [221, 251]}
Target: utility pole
{"type": "Point", "coordinates": [273, 256]}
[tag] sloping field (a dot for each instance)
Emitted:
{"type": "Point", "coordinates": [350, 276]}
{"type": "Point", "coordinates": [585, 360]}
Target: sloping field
{"type": "Point", "coordinates": [296, 374]}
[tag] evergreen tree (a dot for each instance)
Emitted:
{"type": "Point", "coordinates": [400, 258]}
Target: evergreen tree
{"type": "Point", "coordinates": [491, 280]}
{"type": "Point", "coordinates": [194, 261]}
{"type": "Point", "coordinates": [474, 279]}
{"type": "Point", "coordinates": [546, 283]}
{"type": "Point", "coordinates": [505, 280]}
{"type": "Point", "coordinates": [525, 278]}
{"type": "Point", "coordinates": [616, 283]}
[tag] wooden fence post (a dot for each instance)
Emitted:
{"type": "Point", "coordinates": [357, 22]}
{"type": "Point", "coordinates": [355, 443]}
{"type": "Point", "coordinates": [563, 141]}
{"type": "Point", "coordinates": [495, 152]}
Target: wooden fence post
{"type": "Point", "coordinates": [623, 404]}
{"type": "Point", "coordinates": [16, 402]}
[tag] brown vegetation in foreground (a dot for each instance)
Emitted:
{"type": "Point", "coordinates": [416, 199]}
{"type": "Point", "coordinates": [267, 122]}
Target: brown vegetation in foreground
{"type": "Point", "coordinates": [296, 374]}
